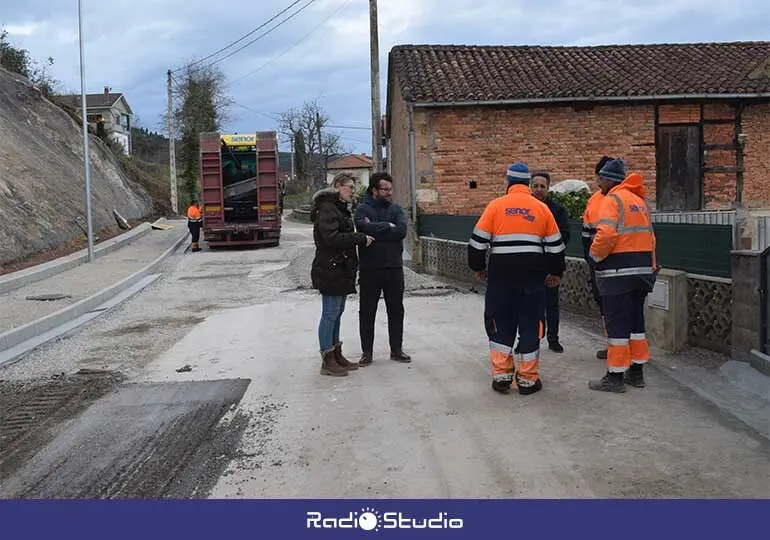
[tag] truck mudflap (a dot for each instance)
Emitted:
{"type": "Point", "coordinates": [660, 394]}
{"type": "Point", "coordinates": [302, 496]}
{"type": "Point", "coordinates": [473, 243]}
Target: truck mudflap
{"type": "Point", "coordinates": [241, 235]}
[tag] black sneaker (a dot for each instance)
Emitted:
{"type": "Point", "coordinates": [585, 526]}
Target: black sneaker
{"type": "Point", "coordinates": [635, 376]}
{"type": "Point", "coordinates": [366, 359]}
{"type": "Point", "coordinates": [400, 356]}
{"type": "Point", "coordinates": [528, 390]}
{"type": "Point", "coordinates": [555, 346]}
{"type": "Point", "coordinates": [501, 387]}
{"type": "Point", "coordinates": [611, 382]}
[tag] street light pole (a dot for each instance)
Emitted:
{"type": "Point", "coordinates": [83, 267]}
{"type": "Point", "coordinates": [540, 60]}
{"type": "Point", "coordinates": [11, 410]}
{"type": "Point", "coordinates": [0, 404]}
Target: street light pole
{"type": "Point", "coordinates": [84, 114]}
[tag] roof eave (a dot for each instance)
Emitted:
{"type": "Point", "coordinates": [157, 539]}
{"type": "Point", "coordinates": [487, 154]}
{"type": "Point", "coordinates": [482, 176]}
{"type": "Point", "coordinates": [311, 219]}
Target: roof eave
{"type": "Point", "coordinates": [587, 99]}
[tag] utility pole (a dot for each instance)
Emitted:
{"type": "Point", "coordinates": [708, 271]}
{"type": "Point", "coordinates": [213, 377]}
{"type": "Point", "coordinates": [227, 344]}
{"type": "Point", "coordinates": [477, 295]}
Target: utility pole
{"type": "Point", "coordinates": [171, 148]}
{"type": "Point", "coordinates": [84, 114]}
{"type": "Point", "coordinates": [375, 68]}
{"type": "Point", "coordinates": [321, 158]}
{"type": "Point", "coordinates": [291, 178]}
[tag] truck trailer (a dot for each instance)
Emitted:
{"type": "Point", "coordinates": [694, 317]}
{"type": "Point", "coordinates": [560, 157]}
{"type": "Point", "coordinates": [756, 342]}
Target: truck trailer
{"type": "Point", "coordinates": [240, 189]}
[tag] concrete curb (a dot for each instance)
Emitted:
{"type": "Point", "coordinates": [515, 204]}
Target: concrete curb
{"type": "Point", "coordinates": [26, 338]}
{"type": "Point", "coordinates": [24, 277]}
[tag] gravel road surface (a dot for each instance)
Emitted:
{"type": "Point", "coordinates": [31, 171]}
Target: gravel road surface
{"type": "Point", "coordinates": [241, 327]}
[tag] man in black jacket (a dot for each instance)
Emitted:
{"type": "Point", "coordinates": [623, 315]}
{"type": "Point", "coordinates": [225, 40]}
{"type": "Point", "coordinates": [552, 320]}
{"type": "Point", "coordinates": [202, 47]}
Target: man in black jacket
{"type": "Point", "coordinates": [541, 183]}
{"type": "Point", "coordinates": [381, 266]}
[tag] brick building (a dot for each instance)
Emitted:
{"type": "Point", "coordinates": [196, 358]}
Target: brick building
{"type": "Point", "coordinates": [694, 119]}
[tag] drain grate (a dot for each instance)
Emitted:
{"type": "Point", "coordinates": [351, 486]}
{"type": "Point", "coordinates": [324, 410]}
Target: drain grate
{"type": "Point", "coordinates": [48, 297]}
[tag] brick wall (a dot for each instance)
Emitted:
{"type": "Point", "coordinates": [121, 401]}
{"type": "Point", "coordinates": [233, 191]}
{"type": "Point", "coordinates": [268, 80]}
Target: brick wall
{"type": "Point", "coordinates": [477, 144]}
{"type": "Point", "coordinates": [457, 146]}
{"type": "Point", "coordinates": [755, 124]}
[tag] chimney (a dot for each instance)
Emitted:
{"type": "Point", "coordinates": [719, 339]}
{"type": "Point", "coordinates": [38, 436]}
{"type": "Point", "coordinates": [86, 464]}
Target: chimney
{"type": "Point", "coordinates": [106, 90]}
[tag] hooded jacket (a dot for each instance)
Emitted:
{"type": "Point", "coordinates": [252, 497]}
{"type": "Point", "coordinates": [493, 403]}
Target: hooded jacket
{"type": "Point", "coordinates": [624, 246]}
{"type": "Point", "coordinates": [334, 267]}
{"type": "Point", "coordinates": [386, 223]}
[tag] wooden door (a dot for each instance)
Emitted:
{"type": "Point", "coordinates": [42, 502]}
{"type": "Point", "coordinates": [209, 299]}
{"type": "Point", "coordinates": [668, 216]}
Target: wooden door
{"type": "Point", "coordinates": [679, 185]}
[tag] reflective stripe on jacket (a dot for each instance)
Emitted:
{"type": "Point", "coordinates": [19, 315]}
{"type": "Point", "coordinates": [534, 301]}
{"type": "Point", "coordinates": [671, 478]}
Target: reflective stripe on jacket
{"type": "Point", "coordinates": [591, 221]}
{"type": "Point", "coordinates": [624, 246]}
{"type": "Point", "coordinates": [522, 237]}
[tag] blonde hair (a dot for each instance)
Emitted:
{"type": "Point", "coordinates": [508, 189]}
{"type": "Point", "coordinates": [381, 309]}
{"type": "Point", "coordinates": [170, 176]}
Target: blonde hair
{"type": "Point", "coordinates": [343, 178]}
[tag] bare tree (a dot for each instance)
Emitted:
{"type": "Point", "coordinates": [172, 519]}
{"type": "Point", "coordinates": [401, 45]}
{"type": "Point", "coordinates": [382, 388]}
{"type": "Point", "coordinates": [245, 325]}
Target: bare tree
{"type": "Point", "coordinates": [203, 107]}
{"type": "Point", "coordinates": [314, 144]}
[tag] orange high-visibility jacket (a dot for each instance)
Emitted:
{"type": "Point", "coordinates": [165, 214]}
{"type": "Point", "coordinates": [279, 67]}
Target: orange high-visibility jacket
{"type": "Point", "coordinates": [591, 221]}
{"type": "Point", "coordinates": [522, 237]}
{"type": "Point", "coordinates": [193, 214]}
{"type": "Point", "coordinates": [624, 246]}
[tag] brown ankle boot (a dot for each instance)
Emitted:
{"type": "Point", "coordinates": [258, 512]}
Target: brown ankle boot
{"type": "Point", "coordinates": [329, 365]}
{"type": "Point", "coordinates": [341, 360]}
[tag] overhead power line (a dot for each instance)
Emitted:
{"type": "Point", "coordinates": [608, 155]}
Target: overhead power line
{"type": "Point", "coordinates": [260, 36]}
{"type": "Point", "coordinates": [271, 19]}
{"type": "Point", "coordinates": [351, 127]}
{"type": "Point", "coordinates": [300, 40]}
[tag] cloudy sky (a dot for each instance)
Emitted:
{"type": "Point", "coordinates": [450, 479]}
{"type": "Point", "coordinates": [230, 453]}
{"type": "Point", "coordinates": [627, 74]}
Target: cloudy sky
{"type": "Point", "coordinates": [323, 51]}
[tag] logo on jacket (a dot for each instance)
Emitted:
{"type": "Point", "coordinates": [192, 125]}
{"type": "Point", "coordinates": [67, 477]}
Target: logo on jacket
{"type": "Point", "coordinates": [521, 212]}
{"type": "Point", "coordinates": [636, 208]}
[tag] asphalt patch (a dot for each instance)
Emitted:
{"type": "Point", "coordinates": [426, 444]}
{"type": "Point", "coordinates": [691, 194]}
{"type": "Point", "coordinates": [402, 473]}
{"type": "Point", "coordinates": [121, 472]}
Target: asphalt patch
{"type": "Point", "coordinates": [144, 327]}
{"type": "Point", "coordinates": [30, 411]}
{"type": "Point", "coordinates": [215, 276]}
{"type": "Point", "coordinates": [152, 440]}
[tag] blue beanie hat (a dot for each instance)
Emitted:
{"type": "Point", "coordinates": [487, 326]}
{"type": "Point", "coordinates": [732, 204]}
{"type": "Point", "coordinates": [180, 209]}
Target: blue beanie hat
{"type": "Point", "coordinates": [614, 171]}
{"type": "Point", "coordinates": [518, 173]}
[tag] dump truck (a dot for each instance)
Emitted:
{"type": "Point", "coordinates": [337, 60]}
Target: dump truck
{"type": "Point", "coordinates": [240, 190]}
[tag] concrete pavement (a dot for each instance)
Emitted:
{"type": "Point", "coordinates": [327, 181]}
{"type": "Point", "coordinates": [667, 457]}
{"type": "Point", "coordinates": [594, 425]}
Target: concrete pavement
{"type": "Point", "coordinates": [432, 428]}
{"type": "Point", "coordinates": [49, 301]}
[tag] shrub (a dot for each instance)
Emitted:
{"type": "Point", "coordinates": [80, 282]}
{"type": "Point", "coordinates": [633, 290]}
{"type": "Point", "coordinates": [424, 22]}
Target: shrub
{"type": "Point", "coordinates": [574, 202]}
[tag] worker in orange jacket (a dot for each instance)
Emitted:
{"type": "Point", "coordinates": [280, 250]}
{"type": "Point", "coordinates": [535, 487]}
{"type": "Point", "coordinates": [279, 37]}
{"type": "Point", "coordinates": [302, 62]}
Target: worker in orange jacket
{"type": "Point", "coordinates": [590, 222]}
{"type": "Point", "coordinates": [194, 224]}
{"type": "Point", "coordinates": [526, 252]}
{"type": "Point", "coordinates": [624, 252]}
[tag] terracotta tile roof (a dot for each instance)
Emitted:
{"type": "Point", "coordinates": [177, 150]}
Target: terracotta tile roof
{"type": "Point", "coordinates": [353, 161]}
{"type": "Point", "coordinates": [443, 73]}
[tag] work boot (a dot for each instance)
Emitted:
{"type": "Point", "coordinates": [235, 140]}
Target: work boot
{"type": "Point", "coordinates": [503, 387]}
{"type": "Point", "coordinates": [341, 360]}
{"type": "Point", "coordinates": [527, 390]}
{"type": "Point", "coordinates": [555, 346]}
{"type": "Point", "coordinates": [329, 365]}
{"type": "Point", "coordinates": [611, 382]}
{"type": "Point", "coordinates": [635, 376]}
{"type": "Point", "coordinates": [366, 359]}
{"type": "Point", "coordinates": [400, 356]}
{"type": "Point", "coordinates": [601, 355]}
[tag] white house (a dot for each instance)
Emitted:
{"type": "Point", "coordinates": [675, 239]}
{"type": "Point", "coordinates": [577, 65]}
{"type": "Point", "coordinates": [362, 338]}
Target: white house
{"type": "Point", "coordinates": [359, 165]}
{"type": "Point", "coordinates": [108, 113]}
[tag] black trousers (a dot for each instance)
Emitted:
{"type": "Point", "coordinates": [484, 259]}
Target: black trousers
{"type": "Point", "coordinates": [595, 290]}
{"type": "Point", "coordinates": [390, 283]}
{"type": "Point", "coordinates": [195, 231]}
{"type": "Point", "coordinates": [552, 313]}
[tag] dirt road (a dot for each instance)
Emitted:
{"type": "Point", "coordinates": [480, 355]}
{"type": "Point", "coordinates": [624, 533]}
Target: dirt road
{"type": "Point", "coordinates": [253, 418]}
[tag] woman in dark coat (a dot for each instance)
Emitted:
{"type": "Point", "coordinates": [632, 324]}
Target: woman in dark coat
{"type": "Point", "coordinates": [335, 266]}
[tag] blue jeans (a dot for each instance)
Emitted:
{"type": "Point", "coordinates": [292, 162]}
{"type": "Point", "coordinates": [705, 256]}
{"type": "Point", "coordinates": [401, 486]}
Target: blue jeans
{"type": "Point", "coordinates": [331, 315]}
